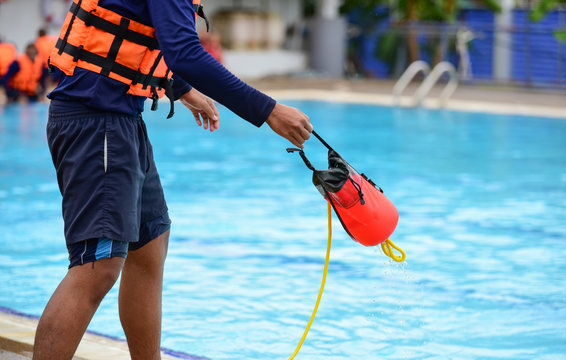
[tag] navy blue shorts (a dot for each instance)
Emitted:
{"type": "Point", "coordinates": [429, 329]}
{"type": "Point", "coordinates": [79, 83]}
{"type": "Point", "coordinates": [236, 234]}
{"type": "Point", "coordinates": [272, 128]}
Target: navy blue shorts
{"type": "Point", "coordinates": [106, 174]}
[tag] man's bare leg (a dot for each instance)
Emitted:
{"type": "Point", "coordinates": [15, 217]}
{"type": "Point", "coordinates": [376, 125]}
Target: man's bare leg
{"type": "Point", "coordinates": [71, 308]}
{"type": "Point", "coordinates": [140, 298]}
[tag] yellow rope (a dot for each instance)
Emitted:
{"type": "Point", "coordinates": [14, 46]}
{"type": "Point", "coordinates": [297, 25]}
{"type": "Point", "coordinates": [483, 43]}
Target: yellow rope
{"type": "Point", "coordinates": [386, 247]}
{"type": "Point", "coordinates": [325, 271]}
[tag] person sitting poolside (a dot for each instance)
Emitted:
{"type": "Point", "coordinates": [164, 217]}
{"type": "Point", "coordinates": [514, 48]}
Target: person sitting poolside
{"type": "Point", "coordinates": [25, 78]}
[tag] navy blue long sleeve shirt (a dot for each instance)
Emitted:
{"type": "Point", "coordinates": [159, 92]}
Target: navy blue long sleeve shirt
{"type": "Point", "coordinates": [174, 24]}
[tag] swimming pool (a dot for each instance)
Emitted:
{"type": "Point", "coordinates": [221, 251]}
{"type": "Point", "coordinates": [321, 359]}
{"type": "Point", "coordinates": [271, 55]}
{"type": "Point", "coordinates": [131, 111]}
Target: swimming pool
{"type": "Point", "coordinates": [482, 219]}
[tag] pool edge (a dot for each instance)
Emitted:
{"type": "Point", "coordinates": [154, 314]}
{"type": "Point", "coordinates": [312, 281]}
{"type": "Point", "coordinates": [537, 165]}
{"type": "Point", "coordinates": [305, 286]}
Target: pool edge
{"type": "Point", "coordinates": [17, 332]}
{"type": "Point", "coordinates": [502, 108]}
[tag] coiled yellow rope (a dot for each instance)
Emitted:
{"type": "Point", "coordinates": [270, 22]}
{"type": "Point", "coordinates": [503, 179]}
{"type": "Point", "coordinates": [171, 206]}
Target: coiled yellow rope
{"type": "Point", "coordinates": [386, 247]}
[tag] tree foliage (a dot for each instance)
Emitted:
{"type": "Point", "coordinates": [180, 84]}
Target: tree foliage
{"type": "Point", "coordinates": [426, 10]}
{"type": "Point", "coordinates": [543, 7]}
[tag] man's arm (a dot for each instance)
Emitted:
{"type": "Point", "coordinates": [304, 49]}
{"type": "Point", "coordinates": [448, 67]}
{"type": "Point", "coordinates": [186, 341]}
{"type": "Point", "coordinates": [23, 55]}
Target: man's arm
{"type": "Point", "coordinates": [174, 23]}
{"type": "Point", "coordinates": [180, 87]}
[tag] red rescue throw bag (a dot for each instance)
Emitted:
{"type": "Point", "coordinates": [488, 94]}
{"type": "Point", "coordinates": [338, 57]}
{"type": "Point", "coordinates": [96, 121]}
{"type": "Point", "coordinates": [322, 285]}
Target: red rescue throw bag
{"type": "Point", "coordinates": [365, 213]}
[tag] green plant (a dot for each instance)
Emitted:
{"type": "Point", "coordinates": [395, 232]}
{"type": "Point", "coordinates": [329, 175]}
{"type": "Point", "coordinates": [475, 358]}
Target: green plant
{"type": "Point", "coordinates": [405, 15]}
{"type": "Point", "coordinates": [542, 8]}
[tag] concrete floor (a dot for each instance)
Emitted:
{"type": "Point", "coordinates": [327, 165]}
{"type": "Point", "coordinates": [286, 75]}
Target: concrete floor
{"type": "Point", "coordinates": [6, 355]}
{"type": "Point", "coordinates": [487, 93]}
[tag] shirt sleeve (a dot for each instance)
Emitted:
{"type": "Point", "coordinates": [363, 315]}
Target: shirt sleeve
{"type": "Point", "coordinates": [12, 71]}
{"type": "Point", "coordinates": [174, 23]}
{"type": "Point", "coordinates": [180, 87]}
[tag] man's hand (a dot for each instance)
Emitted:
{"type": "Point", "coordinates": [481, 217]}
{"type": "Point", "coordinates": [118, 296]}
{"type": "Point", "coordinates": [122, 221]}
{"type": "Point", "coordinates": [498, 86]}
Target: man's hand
{"type": "Point", "coordinates": [290, 123]}
{"type": "Point", "coordinates": [202, 107]}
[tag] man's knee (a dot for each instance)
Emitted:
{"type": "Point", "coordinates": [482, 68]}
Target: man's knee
{"type": "Point", "coordinates": [152, 255]}
{"type": "Point", "coordinates": [98, 277]}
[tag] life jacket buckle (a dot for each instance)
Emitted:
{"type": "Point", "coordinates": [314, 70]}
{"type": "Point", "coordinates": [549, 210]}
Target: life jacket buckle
{"type": "Point", "coordinates": [50, 67]}
{"type": "Point", "coordinates": [78, 54]}
{"type": "Point", "coordinates": [155, 98]}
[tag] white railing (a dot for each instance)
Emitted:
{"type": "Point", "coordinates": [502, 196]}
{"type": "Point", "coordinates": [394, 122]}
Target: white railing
{"type": "Point", "coordinates": [413, 70]}
{"type": "Point", "coordinates": [428, 83]}
{"type": "Point", "coordinates": [440, 69]}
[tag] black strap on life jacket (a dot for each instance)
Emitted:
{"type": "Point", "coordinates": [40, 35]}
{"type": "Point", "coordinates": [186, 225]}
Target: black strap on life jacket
{"type": "Point", "coordinates": [168, 86]}
{"type": "Point", "coordinates": [108, 64]}
{"type": "Point", "coordinates": [199, 10]}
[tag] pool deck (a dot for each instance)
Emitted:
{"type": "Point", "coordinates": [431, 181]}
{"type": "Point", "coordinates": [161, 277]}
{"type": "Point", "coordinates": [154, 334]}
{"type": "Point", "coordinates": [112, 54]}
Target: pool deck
{"type": "Point", "coordinates": [17, 331]}
{"type": "Point", "coordinates": [467, 97]}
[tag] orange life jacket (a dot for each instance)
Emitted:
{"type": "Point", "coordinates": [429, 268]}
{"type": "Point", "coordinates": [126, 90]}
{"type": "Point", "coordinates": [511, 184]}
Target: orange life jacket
{"type": "Point", "coordinates": [102, 41]}
{"type": "Point", "coordinates": [44, 46]}
{"type": "Point", "coordinates": [27, 79]}
{"type": "Point", "coordinates": [8, 54]}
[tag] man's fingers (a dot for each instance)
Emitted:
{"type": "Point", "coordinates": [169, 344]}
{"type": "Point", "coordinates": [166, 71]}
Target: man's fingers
{"type": "Point", "coordinates": [214, 124]}
{"type": "Point", "coordinates": [209, 108]}
{"type": "Point", "coordinates": [309, 127]}
{"type": "Point", "coordinates": [290, 123]}
{"type": "Point", "coordinates": [305, 134]}
{"type": "Point", "coordinates": [214, 109]}
{"type": "Point", "coordinates": [204, 109]}
{"type": "Point", "coordinates": [296, 140]}
{"type": "Point", "coordinates": [197, 117]}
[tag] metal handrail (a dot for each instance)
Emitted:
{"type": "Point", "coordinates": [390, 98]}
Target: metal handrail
{"type": "Point", "coordinates": [405, 79]}
{"type": "Point", "coordinates": [440, 69]}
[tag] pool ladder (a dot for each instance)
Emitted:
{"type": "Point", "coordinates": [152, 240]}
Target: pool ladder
{"type": "Point", "coordinates": [431, 78]}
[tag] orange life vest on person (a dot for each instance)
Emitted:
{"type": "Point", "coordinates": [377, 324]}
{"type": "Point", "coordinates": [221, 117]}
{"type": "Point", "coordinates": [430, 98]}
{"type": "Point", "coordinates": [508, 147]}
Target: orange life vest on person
{"type": "Point", "coordinates": [27, 79]}
{"type": "Point", "coordinates": [8, 54]}
{"type": "Point", "coordinates": [102, 41]}
{"type": "Point", "coordinates": [44, 46]}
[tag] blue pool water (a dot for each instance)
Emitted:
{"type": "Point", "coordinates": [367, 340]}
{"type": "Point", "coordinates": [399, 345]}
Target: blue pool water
{"type": "Point", "coordinates": [482, 219]}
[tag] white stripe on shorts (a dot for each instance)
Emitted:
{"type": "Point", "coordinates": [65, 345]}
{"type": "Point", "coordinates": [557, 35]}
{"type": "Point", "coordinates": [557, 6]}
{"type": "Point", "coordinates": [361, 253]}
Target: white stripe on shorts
{"type": "Point", "coordinates": [105, 152]}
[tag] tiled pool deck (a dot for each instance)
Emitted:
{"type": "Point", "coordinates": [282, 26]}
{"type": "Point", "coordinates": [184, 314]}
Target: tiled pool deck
{"type": "Point", "coordinates": [17, 331]}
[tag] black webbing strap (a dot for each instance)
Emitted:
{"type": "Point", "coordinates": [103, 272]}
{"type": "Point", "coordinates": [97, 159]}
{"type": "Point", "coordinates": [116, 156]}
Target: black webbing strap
{"type": "Point", "coordinates": [311, 167]}
{"type": "Point", "coordinates": [199, 10]}
{"type": "Point", "coordinates": [74, 11]}
{"type": "Point", "coordinates": [302, 153]}
{"type": "Point", "coordinates": [322, 141]}
{"type": "Point", "coordinates": [115, 47]}
{"type": "Point", "coordinates": [152, 70]}
{"type": "Point", "coordinates": [168, 86]}
{"type": "Point", "coordinates": [79, 53]}
{"type": "Point", "coordinates": [91, 19]}
{"type": "Point", "coordinates": [303, 156]}
{"type": "Point", "coordinates": [155, 98]}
